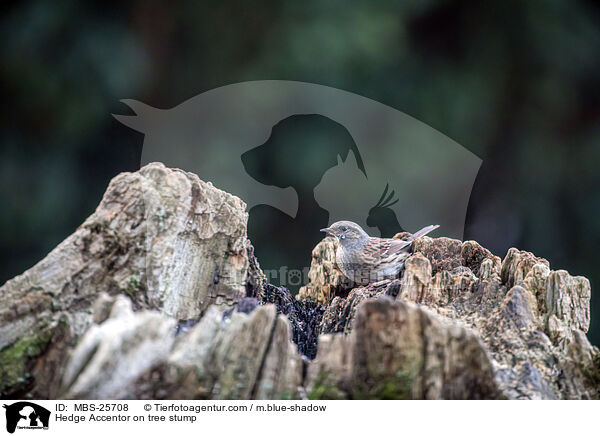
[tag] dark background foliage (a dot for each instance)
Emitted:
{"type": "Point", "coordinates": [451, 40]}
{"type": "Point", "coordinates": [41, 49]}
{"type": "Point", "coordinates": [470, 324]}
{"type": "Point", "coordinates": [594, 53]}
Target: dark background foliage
{"type": "Point", "coordinates": [517, 83]}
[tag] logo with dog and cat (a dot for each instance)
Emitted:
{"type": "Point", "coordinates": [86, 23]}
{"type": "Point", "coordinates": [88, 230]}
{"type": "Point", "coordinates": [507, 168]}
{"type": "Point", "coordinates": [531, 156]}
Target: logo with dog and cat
{"type": "Point", "coordinates": [303, 156]}
{"type": "Point", "coordinates": [25, 415]}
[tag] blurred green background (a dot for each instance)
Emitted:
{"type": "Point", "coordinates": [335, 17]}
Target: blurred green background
{"type": "Point", "coordinates": [517, 83]}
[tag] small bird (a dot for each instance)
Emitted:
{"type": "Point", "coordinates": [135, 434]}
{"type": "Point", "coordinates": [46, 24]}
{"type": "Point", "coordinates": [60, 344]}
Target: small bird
{"type": "Point", "coordinates": [365, 259]}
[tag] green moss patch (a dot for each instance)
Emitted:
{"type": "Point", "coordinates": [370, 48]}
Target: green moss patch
{"type": "Point", "coordinates": [16, 360]}
{"type": "Point", "coordinates": [325, 389]}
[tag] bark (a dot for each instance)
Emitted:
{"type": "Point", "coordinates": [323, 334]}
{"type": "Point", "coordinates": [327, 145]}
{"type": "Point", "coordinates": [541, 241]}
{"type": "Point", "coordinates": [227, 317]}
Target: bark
{"type": "Point", "coordinates": [158, 295]}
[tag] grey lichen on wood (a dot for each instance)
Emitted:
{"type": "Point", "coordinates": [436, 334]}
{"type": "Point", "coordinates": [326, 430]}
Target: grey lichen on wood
{"type": "Point", "coordinates": [530, 320]}
{"type": "Point", "coordinates": [161, 236]}
{"type": "Point", "coordinates": [97, 317]}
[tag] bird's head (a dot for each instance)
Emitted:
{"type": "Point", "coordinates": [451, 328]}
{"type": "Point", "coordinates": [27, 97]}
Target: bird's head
{"type": "Point", "coordinates": [382, 210]}
{"type": "Point", "coordinates": [347, 232]}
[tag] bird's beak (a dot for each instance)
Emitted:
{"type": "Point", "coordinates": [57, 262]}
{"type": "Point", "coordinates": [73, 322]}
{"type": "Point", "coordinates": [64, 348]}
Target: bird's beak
{"type": "Point", "coordinates": [327, 230]}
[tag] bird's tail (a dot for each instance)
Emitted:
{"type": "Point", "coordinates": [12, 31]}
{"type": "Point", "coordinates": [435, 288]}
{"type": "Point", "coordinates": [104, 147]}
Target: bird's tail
{"type": "Point", "coordinates": [423, 231]}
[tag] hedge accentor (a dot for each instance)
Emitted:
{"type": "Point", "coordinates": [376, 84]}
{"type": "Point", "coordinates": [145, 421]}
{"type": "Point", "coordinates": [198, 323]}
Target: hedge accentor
{"type": "Point", "coordinates": [365, 259]}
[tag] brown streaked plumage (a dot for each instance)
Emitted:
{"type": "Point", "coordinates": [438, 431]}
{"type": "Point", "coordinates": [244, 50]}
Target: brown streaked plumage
{"type": "Point", "coordinates": [365, 259]}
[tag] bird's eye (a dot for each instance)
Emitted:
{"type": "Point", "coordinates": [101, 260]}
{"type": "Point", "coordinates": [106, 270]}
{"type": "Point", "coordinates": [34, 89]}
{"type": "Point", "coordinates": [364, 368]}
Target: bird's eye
{"type": "Point", "coordinates": [344, 229]}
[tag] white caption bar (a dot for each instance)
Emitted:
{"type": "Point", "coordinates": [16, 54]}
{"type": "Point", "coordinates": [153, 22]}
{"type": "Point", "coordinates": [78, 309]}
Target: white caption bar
{"type": "Point", "coordinates": [296, 417]}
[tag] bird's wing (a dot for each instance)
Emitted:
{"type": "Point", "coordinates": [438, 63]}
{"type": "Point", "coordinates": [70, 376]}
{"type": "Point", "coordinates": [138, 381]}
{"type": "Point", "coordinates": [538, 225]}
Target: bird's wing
{"type": "Point", "coordinates": [383, 247]}
{"type": "Point", "coordinates": [380, 247]}
{"type": "Point", "coordinates": [398, 245]}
